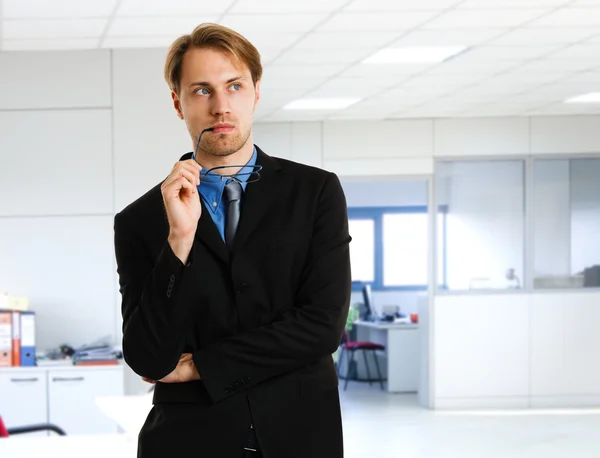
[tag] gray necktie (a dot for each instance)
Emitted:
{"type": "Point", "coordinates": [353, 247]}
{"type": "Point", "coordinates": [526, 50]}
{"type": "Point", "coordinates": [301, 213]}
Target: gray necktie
{"type": "Point", "coordinates": [233, 192]}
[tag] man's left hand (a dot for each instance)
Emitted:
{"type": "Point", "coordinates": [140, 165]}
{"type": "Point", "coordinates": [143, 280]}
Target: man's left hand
{"type": "Point", "coordinates": [184, 372]}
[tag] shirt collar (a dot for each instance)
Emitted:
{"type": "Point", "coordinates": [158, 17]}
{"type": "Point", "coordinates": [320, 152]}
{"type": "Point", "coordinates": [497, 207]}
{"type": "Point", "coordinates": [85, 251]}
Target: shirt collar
{"type": "Point", "coordinates": [212, 191]}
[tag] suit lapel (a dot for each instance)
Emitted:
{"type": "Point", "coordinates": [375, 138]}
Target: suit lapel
{"type": "Point", "coordinates": [257, 198]}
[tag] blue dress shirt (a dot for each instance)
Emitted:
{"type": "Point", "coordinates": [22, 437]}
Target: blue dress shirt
{"type": "Point", "coordinates": [212, 193]}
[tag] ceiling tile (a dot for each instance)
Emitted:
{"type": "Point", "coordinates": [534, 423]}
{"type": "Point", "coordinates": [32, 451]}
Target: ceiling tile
{"type": "Point", "coordinates": [395, 5]}
{"type": "Point", "coordinates": [322, 56]}
{"type": "Point", "coordinates": [138, 42]}
{"type": "Point", "coordinates": [448, 37]}
{"type": "Point", "coordinates": [584, 77]}
{"type": "Point", "coordinates": [289, 23]}
{"type": "Point", "coordinates": [298, 115]}
{"type": "Point", "coordinates": [570, 17]}
{"type": "Point", "coordinates": [547, 36]}
{"type": "Point", "coordinates": [458, 19]}
{"type": "Point", "coordinates": [43, 9]}
{"type": "Point", "coordinates": [375, 22]}
{"type": "Point", "coordinates": [352, 87]}
{"type": "Point", "coordinates": [498, 4]}
{"type": "Point", "coordinates": [292, 86]}
{"type": "Point", "coordinates": [272, 40]}
{"type": "Point", "coordinates": [551, 67]}
{"type": "Point", "coordinates": [504, 53]}
{"type": "Point", "coordinates": [154, 26]}
{"type": "Point", "coordinates": [471, 68]}
{"type": "Point", "coordinates": [164, 8]}
{"type": "Point", "coordinates": [525, 78]}
{"type": "Point", "coordinates": [302, 71]}
{"type": "Point", "coordinates": [444, 81]}
{"type": "Point", "coordinates": [274, 7]}
{"type": "Point", "coordinates": [52, 28]}
{"type": "Point", "coordinates": [49, 44]}
{"type": "Point", "coordinates": [345, 40]}
{"type": "Point", "coordinates": [391, 71]}
{"type": "Point", "coordinates": [590, 51]}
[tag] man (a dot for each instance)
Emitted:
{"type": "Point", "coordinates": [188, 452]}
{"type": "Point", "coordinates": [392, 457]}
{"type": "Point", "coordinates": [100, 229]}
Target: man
{"type": "Point", "coordinates": [235, 291]}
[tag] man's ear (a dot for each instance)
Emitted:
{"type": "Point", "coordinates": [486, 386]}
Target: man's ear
{"type": "Point", "coordinates": [177, 105]}
{"type": "Point", "coordinates": [256, 93]}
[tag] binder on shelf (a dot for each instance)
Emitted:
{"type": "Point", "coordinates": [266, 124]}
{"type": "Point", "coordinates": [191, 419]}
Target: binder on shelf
{"type": "Point", "coordinates": [16, 338]}
{"type": "Point", "coordinates": [27, 338]}
{"type": "Point", "coordinates": [6, 319]}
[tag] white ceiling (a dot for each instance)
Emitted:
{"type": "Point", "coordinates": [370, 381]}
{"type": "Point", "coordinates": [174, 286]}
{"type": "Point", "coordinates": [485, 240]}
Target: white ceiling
{"type": "Point", "coordinates": [524, 57]}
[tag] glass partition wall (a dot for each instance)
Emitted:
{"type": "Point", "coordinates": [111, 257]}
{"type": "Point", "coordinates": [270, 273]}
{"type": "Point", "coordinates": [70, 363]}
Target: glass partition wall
{"type": "Point", "coordinates": [514, 224]}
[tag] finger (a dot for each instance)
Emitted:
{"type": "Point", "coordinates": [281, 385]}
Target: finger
{"type": "Point", "coordinates": [179, 186]}
{"type": "Point", "coordinates": [179, 173]}
{"type": "Point", "coordinates": [145, 379]}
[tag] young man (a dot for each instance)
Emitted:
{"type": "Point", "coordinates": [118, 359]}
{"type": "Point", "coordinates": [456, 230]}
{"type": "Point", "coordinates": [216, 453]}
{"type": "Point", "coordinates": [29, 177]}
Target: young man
{"type": "Point", "coordinates": [235, 282]}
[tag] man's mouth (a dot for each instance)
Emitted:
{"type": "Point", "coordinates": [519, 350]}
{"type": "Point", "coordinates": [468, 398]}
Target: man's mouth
{"type": "Point", "coordinates": [222, 128]}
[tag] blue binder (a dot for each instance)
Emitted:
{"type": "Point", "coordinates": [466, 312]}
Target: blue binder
{"type": "Point", "coordinates": [28, 339]}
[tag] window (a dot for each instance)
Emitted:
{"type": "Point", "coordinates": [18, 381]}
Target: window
{"type": "Point", "coordinates": [484, 206]}
{"type": "Point", "coordinates": [389, 248]}
{"type": "Point", "coordinates": [566, 223]}
{"type": "Point", "coordinates": [362, 249]}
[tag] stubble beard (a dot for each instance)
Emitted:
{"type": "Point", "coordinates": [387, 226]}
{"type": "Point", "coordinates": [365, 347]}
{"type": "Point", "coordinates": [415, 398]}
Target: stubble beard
{"type": "Point", "coordinates": [221, 145]}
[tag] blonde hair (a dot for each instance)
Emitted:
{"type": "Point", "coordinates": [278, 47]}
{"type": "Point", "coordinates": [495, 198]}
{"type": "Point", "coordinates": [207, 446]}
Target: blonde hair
{"type": "Point", "coordinates": [212, 36]}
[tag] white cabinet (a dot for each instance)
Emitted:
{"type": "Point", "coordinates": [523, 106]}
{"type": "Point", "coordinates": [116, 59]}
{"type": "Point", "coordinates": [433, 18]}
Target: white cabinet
{"type": "Point", "coordinates": [71, 399]}
{"type": "Point", "coordinates": [64, 396]}
{"type": "Point", "coordinates": [23, 397]}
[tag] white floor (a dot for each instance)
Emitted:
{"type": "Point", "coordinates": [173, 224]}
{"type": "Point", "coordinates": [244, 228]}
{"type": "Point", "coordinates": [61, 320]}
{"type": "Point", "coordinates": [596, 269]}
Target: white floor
{"type": "Point", "coordinates": [382, 425]}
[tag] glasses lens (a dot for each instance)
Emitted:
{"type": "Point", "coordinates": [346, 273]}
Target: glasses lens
{"type": "Point", "coordinates": [250, 173]}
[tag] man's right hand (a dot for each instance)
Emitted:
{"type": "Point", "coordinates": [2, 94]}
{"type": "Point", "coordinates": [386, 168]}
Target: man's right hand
{"type": "Point", "coordinates": [182, 205]}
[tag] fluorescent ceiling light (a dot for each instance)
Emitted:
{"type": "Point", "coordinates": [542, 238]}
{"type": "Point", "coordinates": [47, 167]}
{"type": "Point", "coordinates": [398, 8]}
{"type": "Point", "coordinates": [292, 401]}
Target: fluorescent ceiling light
{"type": "Point", "coordinates": [411, 55]}
{"type": "Point", "coordinates": [592, 97]}
{"type": "Point", "coordinates": [321, 104]}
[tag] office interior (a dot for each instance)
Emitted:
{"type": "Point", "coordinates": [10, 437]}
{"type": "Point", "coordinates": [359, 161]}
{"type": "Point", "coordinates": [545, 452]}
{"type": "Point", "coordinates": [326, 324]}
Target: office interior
{"type": "Point", "coordinates": [472, 179]}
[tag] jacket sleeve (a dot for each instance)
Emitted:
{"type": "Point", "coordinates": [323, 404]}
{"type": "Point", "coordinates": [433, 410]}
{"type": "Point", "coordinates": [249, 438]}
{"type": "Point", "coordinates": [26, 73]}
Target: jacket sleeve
{"type": "Point", "coordinates": [152, 307]}
{"type": "Point", "coordinates": [313, 325]}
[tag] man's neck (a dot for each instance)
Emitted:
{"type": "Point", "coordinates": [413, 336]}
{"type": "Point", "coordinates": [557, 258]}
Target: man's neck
{"type": "Point", "coordinates": [240, 157]}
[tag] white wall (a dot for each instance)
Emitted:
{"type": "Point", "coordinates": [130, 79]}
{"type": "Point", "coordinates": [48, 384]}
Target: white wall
{"type": "Point", "coordinates": [100, 131]}
{"type": "Point", "coordinates": [516, 350]}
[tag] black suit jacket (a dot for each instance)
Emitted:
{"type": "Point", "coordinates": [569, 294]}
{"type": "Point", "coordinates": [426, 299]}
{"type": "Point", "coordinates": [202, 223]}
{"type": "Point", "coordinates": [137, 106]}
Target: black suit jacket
{"type": "Point", "coordinates": [261, 320]}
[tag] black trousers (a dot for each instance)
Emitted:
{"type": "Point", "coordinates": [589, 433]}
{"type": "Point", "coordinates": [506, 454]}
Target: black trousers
{"type": "Point", "coordinates": [249, 454]}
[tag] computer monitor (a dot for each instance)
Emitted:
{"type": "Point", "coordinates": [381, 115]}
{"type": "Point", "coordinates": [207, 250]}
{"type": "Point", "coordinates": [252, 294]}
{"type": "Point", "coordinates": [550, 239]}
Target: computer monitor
{"type": "Point", "coordinates": [369, 314]}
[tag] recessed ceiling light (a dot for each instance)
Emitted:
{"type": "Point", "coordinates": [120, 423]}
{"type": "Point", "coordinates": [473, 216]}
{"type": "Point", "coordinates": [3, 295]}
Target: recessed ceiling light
{"type": "Point", "coordinates": [321, 104]}
{"type": "Point", "coordinates": [411, 55]}
{"type": "Point", "coordinates": [592, 97]}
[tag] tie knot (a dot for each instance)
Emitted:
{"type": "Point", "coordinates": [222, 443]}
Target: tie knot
{"type": "Point", "coordinates": [233, 191]}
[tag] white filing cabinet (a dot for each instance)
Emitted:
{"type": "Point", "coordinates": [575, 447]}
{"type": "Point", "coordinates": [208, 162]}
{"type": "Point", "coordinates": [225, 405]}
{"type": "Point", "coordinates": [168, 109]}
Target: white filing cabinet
{"type": "Point", "coordinates": [23, 397]}
{"type": "Point", "coordinates": [62, 395]}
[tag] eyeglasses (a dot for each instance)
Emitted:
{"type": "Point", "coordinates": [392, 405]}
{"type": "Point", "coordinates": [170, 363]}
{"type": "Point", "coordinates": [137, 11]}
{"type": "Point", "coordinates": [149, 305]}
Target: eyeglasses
{"type": "Point", "coordinates": [248, 177]}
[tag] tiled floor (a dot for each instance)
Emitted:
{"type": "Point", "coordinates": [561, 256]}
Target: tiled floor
{"type": "Point", "coordinates": [382, 425]}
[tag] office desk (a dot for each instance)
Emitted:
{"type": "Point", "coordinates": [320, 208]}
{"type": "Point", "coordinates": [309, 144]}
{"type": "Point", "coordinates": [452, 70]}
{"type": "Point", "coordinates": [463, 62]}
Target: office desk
{"type": "Point", "coordinates": [90, 446]}
{"type": "Point", "coordinates": [400, 362]}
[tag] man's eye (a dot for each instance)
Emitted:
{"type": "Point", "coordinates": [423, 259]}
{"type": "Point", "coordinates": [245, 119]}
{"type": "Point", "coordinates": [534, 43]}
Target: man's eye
{"type": "Point", "coordinates": [236, 86]}
{"type": "Point", "coordinates": [202, 91]}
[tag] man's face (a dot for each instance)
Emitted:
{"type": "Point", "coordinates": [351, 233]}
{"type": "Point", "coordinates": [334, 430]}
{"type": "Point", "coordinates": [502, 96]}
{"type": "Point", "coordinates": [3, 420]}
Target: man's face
{"type": "Point", "coordinates": [216, 90]}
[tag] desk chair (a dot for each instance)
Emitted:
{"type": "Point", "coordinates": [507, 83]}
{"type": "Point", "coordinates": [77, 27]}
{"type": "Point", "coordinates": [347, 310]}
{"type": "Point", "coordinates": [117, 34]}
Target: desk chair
{"type": "Point", "coordinates": [352, 347]}
{"type": "Point", "coordinates": [6, 432]}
